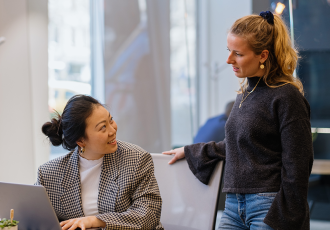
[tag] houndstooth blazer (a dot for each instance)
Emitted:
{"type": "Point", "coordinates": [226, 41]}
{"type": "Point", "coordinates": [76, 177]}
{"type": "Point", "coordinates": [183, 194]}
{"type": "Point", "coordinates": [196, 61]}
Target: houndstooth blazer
{"type": "Point", "coordinates": [128, 196]}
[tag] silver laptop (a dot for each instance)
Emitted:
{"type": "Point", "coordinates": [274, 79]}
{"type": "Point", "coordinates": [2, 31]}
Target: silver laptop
{"type": "Point", "coordinates": [31, 204]}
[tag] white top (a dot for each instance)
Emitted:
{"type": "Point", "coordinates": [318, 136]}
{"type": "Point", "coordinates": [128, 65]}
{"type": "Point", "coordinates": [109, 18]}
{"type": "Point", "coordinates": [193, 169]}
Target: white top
{"type": "Point", "coordinates": [90, 172]}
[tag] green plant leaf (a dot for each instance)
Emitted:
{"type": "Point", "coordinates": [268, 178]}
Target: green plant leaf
{"type": "Point", "coordinates": [7, 223]}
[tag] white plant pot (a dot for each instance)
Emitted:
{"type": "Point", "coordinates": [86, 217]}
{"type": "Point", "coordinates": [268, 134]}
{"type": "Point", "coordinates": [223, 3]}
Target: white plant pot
{"type": "Point", "coordinates": [11, 228]}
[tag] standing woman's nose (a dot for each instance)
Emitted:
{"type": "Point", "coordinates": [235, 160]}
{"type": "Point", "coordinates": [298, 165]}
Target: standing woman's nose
{"type": "Point", "coordinates": [230, 59]}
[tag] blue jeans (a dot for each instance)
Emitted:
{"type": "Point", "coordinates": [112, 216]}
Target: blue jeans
{"type": "Point", "coordinates": [246, 211]}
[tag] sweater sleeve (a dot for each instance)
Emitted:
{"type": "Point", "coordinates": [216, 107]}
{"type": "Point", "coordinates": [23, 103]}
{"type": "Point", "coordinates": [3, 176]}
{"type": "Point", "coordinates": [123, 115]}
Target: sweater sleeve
{"type": "Point", "coordinates": [290, 208]}
{"type": "Point", "coordinates": [203, 157]}
{"type": "Point", "coordinates": [144, 213]}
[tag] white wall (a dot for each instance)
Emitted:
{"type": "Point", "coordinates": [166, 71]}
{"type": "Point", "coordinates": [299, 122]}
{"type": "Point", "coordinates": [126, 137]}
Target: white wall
{"type": "Point", "coordinates": [23, 89]}
{"type": "Point", "coordinates": [217, 82]}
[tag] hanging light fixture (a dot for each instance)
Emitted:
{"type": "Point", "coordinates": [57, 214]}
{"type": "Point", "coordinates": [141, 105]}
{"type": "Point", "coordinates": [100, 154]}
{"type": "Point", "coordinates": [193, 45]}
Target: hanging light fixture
{"type": "Point", "coordinates": [279, 8]}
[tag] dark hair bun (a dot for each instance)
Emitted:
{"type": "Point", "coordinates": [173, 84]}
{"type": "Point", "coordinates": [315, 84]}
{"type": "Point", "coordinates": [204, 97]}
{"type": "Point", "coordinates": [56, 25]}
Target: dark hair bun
{"type": "Point", "coordinates": [53, 131]}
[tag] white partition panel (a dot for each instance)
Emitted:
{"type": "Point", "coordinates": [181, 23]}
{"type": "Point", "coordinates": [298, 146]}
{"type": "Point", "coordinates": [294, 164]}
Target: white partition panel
{"type": "Point", "coordinates": [188, 204]}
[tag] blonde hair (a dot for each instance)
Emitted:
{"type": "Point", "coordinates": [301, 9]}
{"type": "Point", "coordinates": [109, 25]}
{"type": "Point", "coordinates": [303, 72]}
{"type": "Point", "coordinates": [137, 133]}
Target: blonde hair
{"type": "Point", "coordinates": [282, 58]}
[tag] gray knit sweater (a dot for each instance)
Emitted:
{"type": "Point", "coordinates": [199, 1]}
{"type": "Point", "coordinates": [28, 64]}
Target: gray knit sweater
{"type": "Point", "coordinates": [268, 148]}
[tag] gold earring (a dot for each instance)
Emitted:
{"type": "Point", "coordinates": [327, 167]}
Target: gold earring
{"type": "Point", "coordinates": [262, 66]}
{"type": "Point", "coordinates": [82, 150]}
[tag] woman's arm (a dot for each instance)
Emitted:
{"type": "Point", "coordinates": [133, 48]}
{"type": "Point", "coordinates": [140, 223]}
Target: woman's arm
{"type": "Point", "coordinates": [290, 207]}
{"type": "Point", "coordinates": [145, 209]}
{"type": "Point", "coordinates": [201, 157]}
{"type": "Point", "coordinates": [39, 178]}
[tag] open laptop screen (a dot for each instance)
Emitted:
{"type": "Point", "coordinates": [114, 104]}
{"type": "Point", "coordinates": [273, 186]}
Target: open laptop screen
{"type": "Point", "coordinates": [32, 206]}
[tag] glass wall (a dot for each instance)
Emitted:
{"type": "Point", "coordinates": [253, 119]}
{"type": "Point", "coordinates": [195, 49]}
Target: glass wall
{"type": "Point", "coordinates": [137, 71]}
{"type": "Point", "coordinates": [183, 68]}
{"type": "Point", "coordinates": [68, 54]}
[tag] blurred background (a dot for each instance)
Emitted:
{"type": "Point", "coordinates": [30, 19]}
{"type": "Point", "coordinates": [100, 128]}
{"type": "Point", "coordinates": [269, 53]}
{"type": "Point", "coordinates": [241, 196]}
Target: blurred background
{"type": "Point", "coordinates": [159, 66]}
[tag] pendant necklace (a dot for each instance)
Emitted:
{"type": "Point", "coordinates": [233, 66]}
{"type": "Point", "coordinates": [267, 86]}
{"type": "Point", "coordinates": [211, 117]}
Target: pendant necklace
{"type": "Point", "coordinates": [248, 94]}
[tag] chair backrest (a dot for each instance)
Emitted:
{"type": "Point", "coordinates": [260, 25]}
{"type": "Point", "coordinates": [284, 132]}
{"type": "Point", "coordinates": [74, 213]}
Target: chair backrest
{"type": "Point", "coordinates": [188, 204]}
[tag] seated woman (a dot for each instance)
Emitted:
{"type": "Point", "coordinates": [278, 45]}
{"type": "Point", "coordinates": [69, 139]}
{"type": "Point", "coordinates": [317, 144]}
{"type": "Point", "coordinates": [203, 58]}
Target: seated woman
{"type": "Point", "coordinates": [102, 182]}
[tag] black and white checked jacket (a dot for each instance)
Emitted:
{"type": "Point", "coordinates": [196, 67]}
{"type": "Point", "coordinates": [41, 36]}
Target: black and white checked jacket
{"type": "Point", "coordinates": [128, 196]}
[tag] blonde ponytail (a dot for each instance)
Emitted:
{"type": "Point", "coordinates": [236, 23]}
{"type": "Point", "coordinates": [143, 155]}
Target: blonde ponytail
{"type": "Point", "coordinates": [286, 55]}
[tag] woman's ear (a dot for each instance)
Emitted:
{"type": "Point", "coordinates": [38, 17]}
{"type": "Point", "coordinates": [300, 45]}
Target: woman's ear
{"type": "Point", "coordinates": [263, 56]}
{"type": "Point", "coordinates": [80, 142]}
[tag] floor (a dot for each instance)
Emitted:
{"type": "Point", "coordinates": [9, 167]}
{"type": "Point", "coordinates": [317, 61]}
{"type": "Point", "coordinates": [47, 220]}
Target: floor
{"type": "Point", "coordinates": [315, 224]}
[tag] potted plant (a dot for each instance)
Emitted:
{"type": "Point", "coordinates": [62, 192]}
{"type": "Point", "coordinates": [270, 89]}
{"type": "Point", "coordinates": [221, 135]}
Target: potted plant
{"type": "Point", "coordinates": [6, 224]}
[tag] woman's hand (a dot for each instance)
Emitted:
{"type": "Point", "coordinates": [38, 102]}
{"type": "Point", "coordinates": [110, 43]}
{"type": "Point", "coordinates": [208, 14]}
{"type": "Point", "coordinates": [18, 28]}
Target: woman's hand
{"type": "Point", "coordinates": [83, 223]}
{"type": "Point", "coordinates": [178, 154]}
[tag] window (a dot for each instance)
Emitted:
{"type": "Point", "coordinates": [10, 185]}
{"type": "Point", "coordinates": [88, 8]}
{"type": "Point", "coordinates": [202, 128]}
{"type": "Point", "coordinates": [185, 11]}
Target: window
{"type": "Point", "coordinates": [68, 95]}
{"type": "Point", "coordinates": [183, 77]}
{"type": "Point", "coordinates": [68, 54]}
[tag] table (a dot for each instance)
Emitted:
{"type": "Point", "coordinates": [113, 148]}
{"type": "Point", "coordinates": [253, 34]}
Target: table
{"type": "Point", "coordinates": [321, 167]}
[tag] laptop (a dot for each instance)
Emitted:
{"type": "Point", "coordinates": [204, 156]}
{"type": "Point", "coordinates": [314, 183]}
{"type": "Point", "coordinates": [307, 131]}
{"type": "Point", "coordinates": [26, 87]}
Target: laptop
{"type": "Point", "coordinates": [31, 204]}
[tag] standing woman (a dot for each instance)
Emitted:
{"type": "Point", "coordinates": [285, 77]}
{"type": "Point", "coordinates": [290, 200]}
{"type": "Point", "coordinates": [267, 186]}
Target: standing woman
{"type": "Point", "coordinates": [268, 145]}
{"type": "Point", "coordinates": [102, 182]}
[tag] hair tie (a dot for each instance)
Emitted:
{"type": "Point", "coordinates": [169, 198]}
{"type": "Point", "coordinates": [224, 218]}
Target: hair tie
{"type": "Point", "coordinates": [268, 16]}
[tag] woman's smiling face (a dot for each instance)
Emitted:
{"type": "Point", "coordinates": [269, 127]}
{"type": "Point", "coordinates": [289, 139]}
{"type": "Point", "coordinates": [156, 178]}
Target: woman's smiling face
{"type": "Point", "coordinates": [100, 134]}
{"type": "Point", "coordinates": [244, 61]}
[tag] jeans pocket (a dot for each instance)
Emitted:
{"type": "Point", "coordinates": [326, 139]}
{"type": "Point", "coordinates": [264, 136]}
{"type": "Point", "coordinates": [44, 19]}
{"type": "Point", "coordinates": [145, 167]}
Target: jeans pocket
{"type": "Point", "coordinates": [267, 194]}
